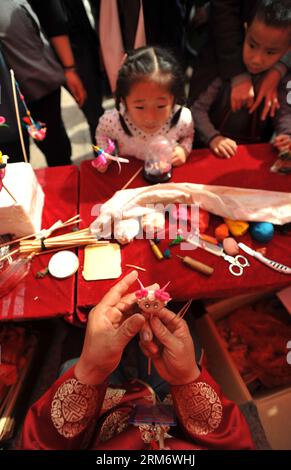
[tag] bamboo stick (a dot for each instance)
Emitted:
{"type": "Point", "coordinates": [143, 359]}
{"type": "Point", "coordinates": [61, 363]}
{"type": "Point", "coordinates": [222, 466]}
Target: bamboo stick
{"type": "Point", "coordinates": [17, 115]}
{"type": "Point", "coordinates": [131, 179]}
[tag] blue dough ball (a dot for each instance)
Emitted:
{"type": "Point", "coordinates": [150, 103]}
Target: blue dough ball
{"type": "Point", "coordinates": [263, 232]}
{"type": "Point", "coordinates": [167, 253]}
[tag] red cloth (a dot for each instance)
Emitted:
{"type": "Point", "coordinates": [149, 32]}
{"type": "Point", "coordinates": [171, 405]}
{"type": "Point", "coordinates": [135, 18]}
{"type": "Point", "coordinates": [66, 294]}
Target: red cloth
{"type": "Point", "coordinates": [48, 297]}
{"type": "Point", "coordinates": [71, 415]}
{"type": "Point", "coordinates": [249, 169]}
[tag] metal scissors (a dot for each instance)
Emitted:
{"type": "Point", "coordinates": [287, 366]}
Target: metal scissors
{"type": "Point", "coordinates": [237, 263]}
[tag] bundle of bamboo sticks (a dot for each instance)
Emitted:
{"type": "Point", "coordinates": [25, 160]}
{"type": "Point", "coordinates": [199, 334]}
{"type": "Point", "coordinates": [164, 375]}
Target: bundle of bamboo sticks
{"type": "Point", "coordinates": [68, 240]}
{"type": "Point", "coordinates": [29, 244]}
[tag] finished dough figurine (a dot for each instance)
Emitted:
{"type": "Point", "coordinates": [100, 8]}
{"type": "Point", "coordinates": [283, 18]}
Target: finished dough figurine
{"type": "Point", "coordinates": [150, 301]}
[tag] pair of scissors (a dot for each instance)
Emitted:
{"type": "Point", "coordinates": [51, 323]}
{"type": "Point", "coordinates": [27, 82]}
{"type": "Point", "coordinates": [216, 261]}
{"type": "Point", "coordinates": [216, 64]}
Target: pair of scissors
{"type": "Point", "coordinates": [237, 263]}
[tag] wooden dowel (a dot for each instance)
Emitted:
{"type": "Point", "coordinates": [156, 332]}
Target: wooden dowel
{"type": "Point", "coordinates": [9, 254]}
{"type": "Point", "coordinates": [17, 115]}
{"type": "Point", "coordinates": [131, 179]}
{"type": "Point", "coordinates": [7, 190]}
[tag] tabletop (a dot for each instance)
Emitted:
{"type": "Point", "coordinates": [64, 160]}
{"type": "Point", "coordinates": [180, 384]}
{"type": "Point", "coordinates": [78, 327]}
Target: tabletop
{"type": "Point", "coordinates": [36, 298]}
{"type": "Point", "coordinates": [250, 168]}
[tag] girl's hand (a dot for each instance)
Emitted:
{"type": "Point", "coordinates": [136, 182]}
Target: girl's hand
{"type": "Point", "coordinates": [179, 156]}
{"type": "Point", "coordinates": [174, 356]}
{"type": "Point", "coordinates": [223, 146]}
{"type": "Point", "coordinates": [283, 143]}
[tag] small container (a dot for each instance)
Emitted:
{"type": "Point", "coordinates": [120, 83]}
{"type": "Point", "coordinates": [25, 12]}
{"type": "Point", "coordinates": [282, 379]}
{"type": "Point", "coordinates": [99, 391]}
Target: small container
{"type": "Point", "coordinates": [158, 161]}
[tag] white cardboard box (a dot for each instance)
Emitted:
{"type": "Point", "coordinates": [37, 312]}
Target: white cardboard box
{"type": "Point", "coordinates": [22, 217]}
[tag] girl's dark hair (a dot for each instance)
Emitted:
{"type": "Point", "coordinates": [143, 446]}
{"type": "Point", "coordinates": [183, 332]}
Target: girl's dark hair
{"type": "Point", "coordinates": [276, 13]}
{"type": "Point", "coordinates": [153, 63]}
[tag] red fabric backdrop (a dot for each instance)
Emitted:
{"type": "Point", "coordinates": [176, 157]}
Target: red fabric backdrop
{"type": "Point", "coordinates": [249, 169]}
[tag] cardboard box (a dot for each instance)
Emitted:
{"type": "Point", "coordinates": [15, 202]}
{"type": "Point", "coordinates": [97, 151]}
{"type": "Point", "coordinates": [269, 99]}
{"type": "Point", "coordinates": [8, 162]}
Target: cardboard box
{"type": "Point", "coordinates": [274, 406]}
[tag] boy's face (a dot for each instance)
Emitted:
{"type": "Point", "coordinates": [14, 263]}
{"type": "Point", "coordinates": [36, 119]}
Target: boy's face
{"type": "Point", "coordinates": [149, 106]}
{"type": "Point", "coordinates": [264, 46]}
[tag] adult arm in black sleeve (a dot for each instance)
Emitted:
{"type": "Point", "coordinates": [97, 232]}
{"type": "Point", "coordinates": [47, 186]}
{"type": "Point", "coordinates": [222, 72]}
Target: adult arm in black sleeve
{"type": "Point", "coordinates": [51, 15]}
{"type": "Point", "coordinates": [228, 34]}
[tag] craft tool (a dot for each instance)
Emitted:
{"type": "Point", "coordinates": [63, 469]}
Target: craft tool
{"type": "Point", "coordinates": [157, 252]}
{"type": "Point", "coordinates": [237, 263]}
{"type": "Point", "coordinates": [197, 265]}
{"type": "Point", "coordinates": [281, 268]}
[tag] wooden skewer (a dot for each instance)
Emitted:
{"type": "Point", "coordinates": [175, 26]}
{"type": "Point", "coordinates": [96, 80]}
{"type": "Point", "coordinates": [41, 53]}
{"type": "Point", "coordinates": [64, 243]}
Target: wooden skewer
{"type": "Point", "coordinates": [10, 254]}
{"type": "Point", "coordinates": [182, 312]}
{"type": "Point", "coordinates": [17, 115]}
{"type": "Point", "coordinates": [65, 224]}
{"type": "Point", "coordinates": [131, 179]}
{"type": "Point", "coordinates": [7, 190]}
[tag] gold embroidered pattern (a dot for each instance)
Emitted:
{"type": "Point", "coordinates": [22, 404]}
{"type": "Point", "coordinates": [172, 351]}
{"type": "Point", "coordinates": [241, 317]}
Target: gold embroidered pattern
{"type": "Point", "coordinates": [73, 406]}
{"type": "Point", "coordinates": [114, 424]}
{"type": "Point", "coordinates": [199, 407]}
{"type": "Point", "coordinates": [112, 398]}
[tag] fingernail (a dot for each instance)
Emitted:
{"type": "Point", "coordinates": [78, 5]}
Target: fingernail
{"type": "Point", "coordinates": [146, 336]}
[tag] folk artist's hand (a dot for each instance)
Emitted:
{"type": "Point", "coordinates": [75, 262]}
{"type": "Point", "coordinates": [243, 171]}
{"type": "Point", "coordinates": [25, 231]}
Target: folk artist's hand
{"type": "Point", "coordinates": [108, 332]}
{"type": "Point", "coordinates": [223, 146]}
{"type": "Point", "coordinates": [166, 340]}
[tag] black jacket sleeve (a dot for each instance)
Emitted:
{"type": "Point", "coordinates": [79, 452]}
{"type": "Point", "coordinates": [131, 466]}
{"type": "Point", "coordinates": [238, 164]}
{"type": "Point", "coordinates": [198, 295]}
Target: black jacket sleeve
{"type": "Point", "coordinates": [52, 16]}
{"type": "Point", "coordinates": [228, 35]}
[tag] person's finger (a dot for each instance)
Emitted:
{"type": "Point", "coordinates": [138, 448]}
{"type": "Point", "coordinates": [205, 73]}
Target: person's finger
{"type": "Point", "coordinates": [257, 103]}
{"type": "Point", "coordinates": [150, 350]}
{"type": "Point", "coordinates": [115, 294]}
{"type": "Point", "coordinates": [249, 101]}
{"type": "Point", "coordinates": [161, 332]}
{"type": "Point", "coordinates": [129, 328]}
{"type": "Point", "coordinates": [146, 333]}
{"type": "Point", "coordinates": [266, 110]}
{"type": "Point", "coordinates": [229, 148]}
{"type": "Point", "coordinates": [114, 315]}
{"type": "Point", "coordinates": [274, 107]}
{"type": "Point", "coordinates": [224, 151]}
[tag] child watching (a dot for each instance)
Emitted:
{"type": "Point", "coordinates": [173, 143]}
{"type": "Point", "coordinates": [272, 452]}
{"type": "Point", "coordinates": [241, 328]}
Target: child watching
{"type": "Point", "coordinates": [149, 97]}
{"type": "Point", "coordinates": [267, 39]}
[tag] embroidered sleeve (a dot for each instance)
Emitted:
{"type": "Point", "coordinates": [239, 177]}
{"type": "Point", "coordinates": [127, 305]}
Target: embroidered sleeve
{"type": "Point", "coordinates": [64, 417]}
{"type": "Point", "coordinates": [209, 418]}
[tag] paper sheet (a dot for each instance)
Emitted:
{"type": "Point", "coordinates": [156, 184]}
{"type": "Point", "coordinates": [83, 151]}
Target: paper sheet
{"type": "Point", "coordinates": [102, 262]}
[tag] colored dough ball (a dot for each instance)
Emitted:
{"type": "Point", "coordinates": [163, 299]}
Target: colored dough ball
{"type": "Point", "coordinates": [230, 246]}
{"type": "Point", "coordinates": [221, 232]}
{"type": "Point", "coordinates": [263, 232]}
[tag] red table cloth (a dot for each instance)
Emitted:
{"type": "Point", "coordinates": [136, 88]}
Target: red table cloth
{"type": "Point", "coordinates": [248, 169]}
{"type": "Point", "coordinates": [36, 298]}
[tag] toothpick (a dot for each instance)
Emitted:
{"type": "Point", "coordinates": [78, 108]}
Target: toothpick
{"type": "Point", "coordinates": [135, 267]}
{"type": "Point", "coordinates": [65, 224]}
{"type": "Point", "coordinates": [7, 190]}
{"type": "Point", "coordinates": [17, 115]}
{"type": "Point", "coordinates": [9, 254]}
{"type": "Point", "coordinates": [131, 179]}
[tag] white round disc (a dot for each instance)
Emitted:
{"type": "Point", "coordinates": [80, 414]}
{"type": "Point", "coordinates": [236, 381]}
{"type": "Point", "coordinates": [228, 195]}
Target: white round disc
{"type": "Point", "coordinates": [63, 264]}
